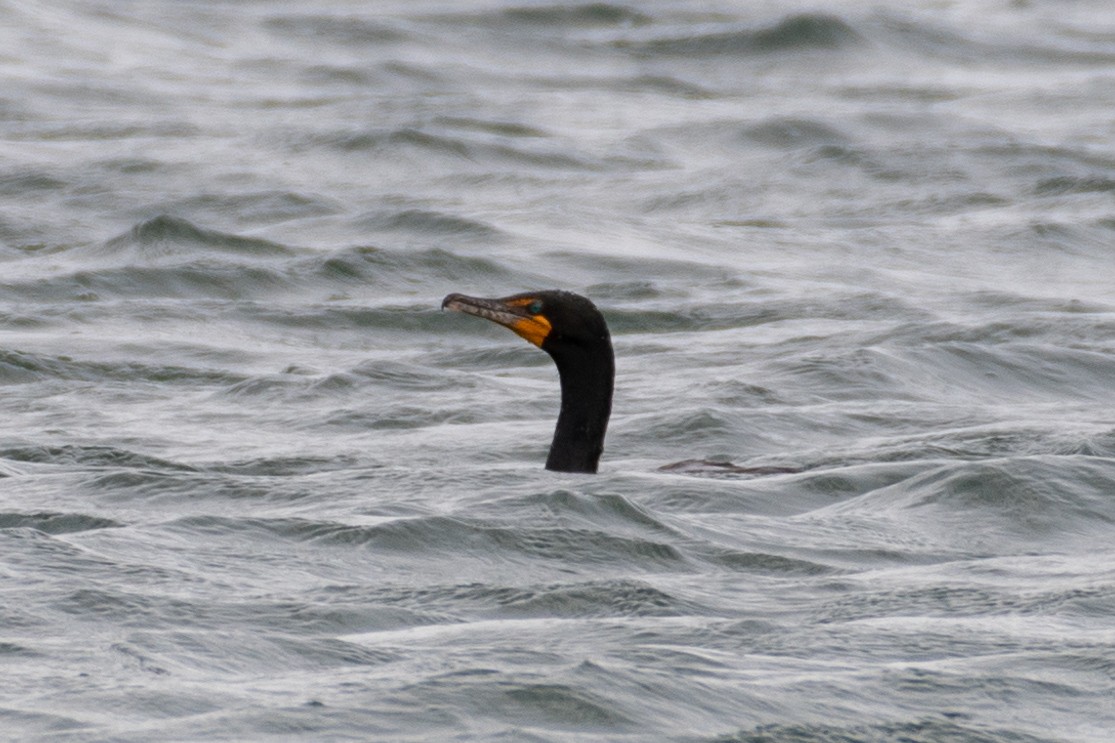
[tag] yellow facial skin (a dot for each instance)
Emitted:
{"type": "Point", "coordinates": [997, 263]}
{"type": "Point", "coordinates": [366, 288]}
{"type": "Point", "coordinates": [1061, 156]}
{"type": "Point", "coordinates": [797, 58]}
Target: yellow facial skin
{"type": "Point", "coordinates": [534, 328]}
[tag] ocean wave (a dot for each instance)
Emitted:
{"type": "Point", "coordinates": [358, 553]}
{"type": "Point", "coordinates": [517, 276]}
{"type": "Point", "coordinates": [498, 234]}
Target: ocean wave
{"type": "Point", "coordinates": [237, 207]}
{"type": "Point", "coordinates": [119, 485]}
{"type": "Point", "coordinates": [82, 456]}
{"type": "Point", "coordinates": [924, 38]}
{"type": "Point", "coordinates": [552, 17]}
{"type": "Point", "coordinates": [431, 222]}
{"type": "Point", "coordinates": [618, 598]}
{"type": "Point", "coordinates": [50, 522]}
{"type": "Point", "coordinates": [763, 563]}
{"type": "Point", "coordinates": [376, 266]}
{"type": "Point", "coordinates": [990, 506]}
{"type": "Point", "coordinates": [460, 537]}
{"type": "Point", "coordinates": [351, 30]}
{"type": "Point", "coordinates": [167, 237]}
{"type": "Point", "coordinates": [20, 367]}
{"type": "Point", "coordinates": [20, 183]}
{"type": "Point", "coordinates": [1009, 371]}
{"type": "Point", "coordinates": [793, 33]}
{"type": "Point", "coordinates": [171, 258]}
{"type": "Point", "coordinates": [925, 730]}
{"type": "Point", "coordinates": [1059, 185]}
{"type": "Point", "coordinates": [613, 511]}
{"type": "Point", "coordinates": [457, 146]}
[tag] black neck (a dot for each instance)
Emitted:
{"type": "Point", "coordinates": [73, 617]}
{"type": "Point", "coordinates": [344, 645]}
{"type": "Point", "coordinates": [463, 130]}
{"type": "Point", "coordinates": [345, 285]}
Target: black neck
{"type": "Point", "coordinates": [587, 377]}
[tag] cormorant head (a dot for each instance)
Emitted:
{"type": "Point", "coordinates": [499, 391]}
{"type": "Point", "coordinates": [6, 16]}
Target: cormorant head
{"type": "Point", "coordinates": [558, 322]}
{"type": "Point", "coordinates": [569, 328]}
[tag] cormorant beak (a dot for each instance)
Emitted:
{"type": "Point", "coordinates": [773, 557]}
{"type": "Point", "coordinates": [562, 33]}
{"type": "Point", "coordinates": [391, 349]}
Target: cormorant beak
{"type": "Point", "coordinates": [510, 312]}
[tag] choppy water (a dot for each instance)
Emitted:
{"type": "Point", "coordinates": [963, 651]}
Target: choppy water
{"type": "Point", "coordinates": [255, 486]}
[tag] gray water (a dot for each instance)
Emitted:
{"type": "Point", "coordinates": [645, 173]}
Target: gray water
{"type": "Point", "coordinates": [254, 485]}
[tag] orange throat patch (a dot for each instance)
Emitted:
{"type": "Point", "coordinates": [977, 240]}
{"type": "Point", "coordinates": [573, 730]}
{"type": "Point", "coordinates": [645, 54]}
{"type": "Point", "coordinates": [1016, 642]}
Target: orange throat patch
{"type": "Point", "coordinates": [535, 328]}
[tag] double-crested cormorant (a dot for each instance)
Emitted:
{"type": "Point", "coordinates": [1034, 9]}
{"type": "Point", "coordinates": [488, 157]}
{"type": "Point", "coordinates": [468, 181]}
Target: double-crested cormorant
{"type": "Point", "coordinates": [569, 328]}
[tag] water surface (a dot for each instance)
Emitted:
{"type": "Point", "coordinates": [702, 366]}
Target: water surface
{"type": "Point", "coordinates": [254, 485]}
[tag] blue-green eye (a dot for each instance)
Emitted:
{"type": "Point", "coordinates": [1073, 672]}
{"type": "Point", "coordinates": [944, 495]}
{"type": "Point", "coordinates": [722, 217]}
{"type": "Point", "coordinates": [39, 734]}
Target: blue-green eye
{"type": "Point", "coordinates": [535, 307]}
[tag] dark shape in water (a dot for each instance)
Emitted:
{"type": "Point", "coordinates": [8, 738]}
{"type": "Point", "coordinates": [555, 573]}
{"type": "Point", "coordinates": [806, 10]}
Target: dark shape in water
{"type": "Point", "coordinates": [712, 467]}
{"type": "Point", "coordinates": [569, 328]}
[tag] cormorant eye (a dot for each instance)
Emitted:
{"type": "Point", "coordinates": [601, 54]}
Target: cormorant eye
{"type": "Point", "coordinates": [535, 307]}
